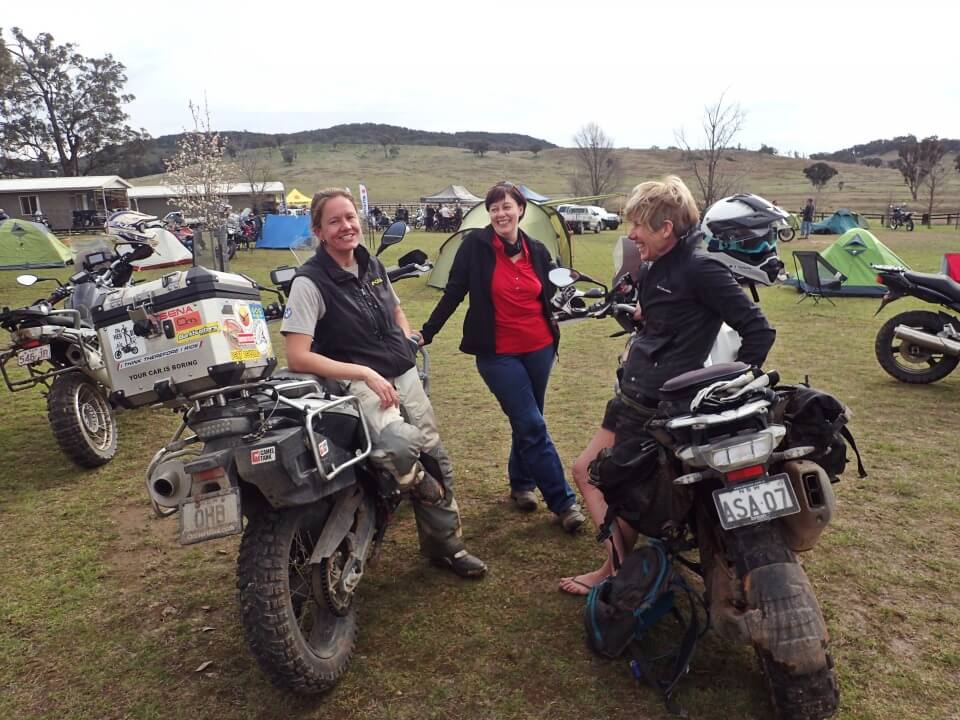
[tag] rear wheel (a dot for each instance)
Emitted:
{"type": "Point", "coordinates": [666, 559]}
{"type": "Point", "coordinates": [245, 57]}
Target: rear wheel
{"type": "Point", "coordinates": [907, 361]}
{"type": "Point", "coordinates": [82, 420]}
{"type": "Point", "coordinates": [301, 631]}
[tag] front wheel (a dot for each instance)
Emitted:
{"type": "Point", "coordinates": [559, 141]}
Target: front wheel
{"type": "Point", "coordinates": [787, 234]}
{"type": "Point", "coordinates": [909, 224]}
{"type": "Point", "coordinates": [907, 361]}
{"type": "Point", "coordinates": [82, 420]}
{"type": "Point", "coordinates": [301, 634]}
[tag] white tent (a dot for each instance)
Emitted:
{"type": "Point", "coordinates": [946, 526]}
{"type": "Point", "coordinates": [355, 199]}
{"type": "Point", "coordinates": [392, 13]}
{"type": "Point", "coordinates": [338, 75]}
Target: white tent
{"type": "Point", "coordinates": [453, 194]}
{"type": "Point", "coordinates": [167, 249]}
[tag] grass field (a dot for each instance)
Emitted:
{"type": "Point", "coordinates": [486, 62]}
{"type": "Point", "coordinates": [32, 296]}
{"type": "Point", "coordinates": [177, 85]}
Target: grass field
{"type": "Point", "coordinates": [104, 615]}
{"type": "Point", "coordinates": [423, 170]}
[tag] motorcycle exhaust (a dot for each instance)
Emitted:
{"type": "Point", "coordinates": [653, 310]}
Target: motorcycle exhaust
{"type": "Point", "coordinates": [926, 340]}
{"type": "Point", "coordinates": [75, 355]}
{"type": "Point", "coordinates": [169, 484]}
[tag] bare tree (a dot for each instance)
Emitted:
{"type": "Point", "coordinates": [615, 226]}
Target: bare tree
{"type": "Point", "coordinates": [915, 160]}
{"type": "Point", "coordinates": [598, 167]}
{"type": "Point", "coordinates": [255, 170]}
{"type": "Point", "coordinates": [721, 123]}
{"type": "Point", "coordinates": [199, 173]}
{"type": "Point", "coordinates": [936, 180]}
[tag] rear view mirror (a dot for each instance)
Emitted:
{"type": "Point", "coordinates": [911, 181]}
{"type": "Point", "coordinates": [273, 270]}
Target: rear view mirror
{"type": "Point", "coordinates": [561, 277]}
{"type": "Point", "coordinates": [414, 257]}
{"type": "Point", "coordinates": [27, 280]}
{"type": "Point", "coordinates": [392, 235]}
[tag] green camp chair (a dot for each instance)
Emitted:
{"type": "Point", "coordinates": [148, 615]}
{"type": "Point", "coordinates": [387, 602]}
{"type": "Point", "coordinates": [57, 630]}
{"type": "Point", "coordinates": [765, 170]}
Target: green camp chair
{"type": "Point", "coordinates": [818, 276]}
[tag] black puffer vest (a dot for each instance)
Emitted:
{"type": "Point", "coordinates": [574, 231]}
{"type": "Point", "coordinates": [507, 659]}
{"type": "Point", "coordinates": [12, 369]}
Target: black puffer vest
{"type": "Point", "coordinates": [358, 325]}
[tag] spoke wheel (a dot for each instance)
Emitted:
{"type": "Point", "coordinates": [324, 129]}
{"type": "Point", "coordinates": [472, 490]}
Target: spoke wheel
{"type": "Point", "coordinates": [298, 639]}
{"type": "Point", "coordinates": [82, 420]}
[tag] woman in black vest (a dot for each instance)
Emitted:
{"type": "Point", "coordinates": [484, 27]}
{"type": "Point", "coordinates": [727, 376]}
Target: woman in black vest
{"type": "Point", "coordinates": [344, 322]}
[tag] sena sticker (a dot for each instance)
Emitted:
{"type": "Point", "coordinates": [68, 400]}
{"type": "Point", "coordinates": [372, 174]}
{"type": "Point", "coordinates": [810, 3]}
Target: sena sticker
{"type": "Point", "coordinates": [263, 455]}
{"type": "Point", "coordinates": [323, 449]}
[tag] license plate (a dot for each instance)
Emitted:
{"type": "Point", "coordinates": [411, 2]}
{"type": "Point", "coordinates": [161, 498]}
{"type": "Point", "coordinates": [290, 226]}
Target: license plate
{"type": "Point", "coordinates": [33, 355]}
{"type": "Point", "coordinates": [209, 516]}
{"type": "Point", "coordinates": [756, 501]}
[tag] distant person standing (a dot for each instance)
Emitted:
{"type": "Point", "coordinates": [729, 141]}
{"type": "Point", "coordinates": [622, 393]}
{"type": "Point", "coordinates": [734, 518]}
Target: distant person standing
{"type": "Point", "coordinates": [806, 226]}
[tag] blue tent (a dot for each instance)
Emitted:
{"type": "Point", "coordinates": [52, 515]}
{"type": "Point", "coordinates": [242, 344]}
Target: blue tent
{"type": "Point", "coordinates": [532, 195]}
{"type": "Point", "coordinates": [284, 231]}
{"type": "Point", "coordinates": [838, 223]}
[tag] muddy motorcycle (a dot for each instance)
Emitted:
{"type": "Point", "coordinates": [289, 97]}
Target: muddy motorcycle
{"type": "Point", "coordinates": [747, 493]}
{"type": "Point", "coordinates": [291, 454]}
{"type": "Point", "coordinates": [750, 494]}
{"type": "Point", "coordinates": [919, 346]}
{"type": "Point", "coordinates": [60, 351]}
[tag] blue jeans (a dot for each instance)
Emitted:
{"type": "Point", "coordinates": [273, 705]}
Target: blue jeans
{"type": "Point", "coordinates": [805, 227]}
{"type": "Point", "coordinates": [519, 383]}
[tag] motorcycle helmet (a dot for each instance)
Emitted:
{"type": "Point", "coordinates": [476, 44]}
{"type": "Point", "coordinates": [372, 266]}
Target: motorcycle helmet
{"type": "Point", "coordinates": [744, 223]}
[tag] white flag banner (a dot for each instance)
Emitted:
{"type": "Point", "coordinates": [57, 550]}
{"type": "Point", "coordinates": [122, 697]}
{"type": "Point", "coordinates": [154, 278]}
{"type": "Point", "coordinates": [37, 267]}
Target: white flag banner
{"type": "Point", "coordinates": [364, 202]}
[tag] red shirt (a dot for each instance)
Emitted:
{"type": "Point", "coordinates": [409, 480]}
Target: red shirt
{"type": "Point", "coordinates": [520, 326]}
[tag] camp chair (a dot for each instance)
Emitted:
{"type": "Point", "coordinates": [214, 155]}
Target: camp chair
{"type": "Point", "coordinates": [818, 276]}
{"type": "Point", "coordinates": [950, 266]}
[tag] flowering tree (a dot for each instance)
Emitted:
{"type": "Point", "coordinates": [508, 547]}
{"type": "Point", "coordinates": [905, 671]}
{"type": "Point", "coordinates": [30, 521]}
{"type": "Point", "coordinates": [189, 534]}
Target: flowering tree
{"type": "Point", "coordinates": [199, 173]}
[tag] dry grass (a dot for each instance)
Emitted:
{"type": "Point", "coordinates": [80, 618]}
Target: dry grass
{"type": "Point", "coordinates": [101, 612]}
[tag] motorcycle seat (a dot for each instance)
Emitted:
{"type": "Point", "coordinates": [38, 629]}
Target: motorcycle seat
{"type": "Point", "coordinates": [936, 281]}
{"type": "Point", "coordinates": [332, 387]}
{"type": "Point", "coordinates": [689, 383]}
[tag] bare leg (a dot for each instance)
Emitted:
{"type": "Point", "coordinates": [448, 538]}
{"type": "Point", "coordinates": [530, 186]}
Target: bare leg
{"type": "Point", "coordinates": [597, 507]}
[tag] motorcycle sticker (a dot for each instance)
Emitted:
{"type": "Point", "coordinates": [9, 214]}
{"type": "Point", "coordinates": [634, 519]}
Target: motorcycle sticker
{"type": "Point", "coordinates": [183, 317]}
{"type": "Point", "coordinates": [263, 455]}
{"type": "Point", "coordinates": [197, 332]}
{"type": "Point", "coordinates": [243, 355]}
{"type": "Point", "coordinates": [124, 364]}
{"type": "Point", "coordinates": [124, 343]}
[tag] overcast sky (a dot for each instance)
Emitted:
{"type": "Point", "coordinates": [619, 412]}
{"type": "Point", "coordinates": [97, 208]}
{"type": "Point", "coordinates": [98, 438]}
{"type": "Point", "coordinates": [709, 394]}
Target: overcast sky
{"type": "Point", "coordinates": [811, 76]}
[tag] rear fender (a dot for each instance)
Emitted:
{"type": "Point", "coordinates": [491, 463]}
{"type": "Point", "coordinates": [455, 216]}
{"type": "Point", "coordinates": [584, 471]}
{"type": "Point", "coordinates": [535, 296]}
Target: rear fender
{"type": "Point", "coordinates": [351, 505]}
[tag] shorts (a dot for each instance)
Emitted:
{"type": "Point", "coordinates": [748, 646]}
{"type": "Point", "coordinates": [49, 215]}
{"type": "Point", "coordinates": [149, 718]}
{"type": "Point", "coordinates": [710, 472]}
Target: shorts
{"type": "Point", "coordinates": [610, 414]}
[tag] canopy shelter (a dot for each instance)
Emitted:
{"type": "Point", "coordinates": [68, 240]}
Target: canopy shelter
{"type": "Point", "coordinates": [297, 198]}
{"type": "Point", "coordinates": [452, 194]}
{"type": "Point", "coordinates": [838, 223]}
{"type": "Point", "coordinates": [853, 254]}
{"type": "Point", "coordinates": [539, 222]}
{"type": "Point", "coordinates": [25, 245]}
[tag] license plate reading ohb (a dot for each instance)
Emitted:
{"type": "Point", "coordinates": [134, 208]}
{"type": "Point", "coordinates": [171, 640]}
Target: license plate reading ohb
{"type": "Point", "coordinates": [756, 501]}
{"type": "Point", "coordinates": [33, 355]}
{"type": "Point", "coordinates": [214, 515]}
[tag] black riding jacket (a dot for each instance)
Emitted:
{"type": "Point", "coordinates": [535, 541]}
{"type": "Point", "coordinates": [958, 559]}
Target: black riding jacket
{"type": "Point", "coordinates": [472, 272]}
{"type": "Point", "coordinates": [686, 295]}
{"type": "Point", "coordinates": [359, 324]}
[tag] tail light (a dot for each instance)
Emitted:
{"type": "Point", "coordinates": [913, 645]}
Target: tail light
{"type": "Point", "coordinates": [747, 473]}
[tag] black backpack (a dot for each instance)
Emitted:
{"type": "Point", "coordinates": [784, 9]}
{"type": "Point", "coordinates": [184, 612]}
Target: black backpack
{"type": "Point", "coordinates": [621, 611]}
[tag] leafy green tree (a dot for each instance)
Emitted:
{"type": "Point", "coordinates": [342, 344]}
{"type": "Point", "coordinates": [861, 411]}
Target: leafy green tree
{"type": "Point", "coordinates": [767, 150]}
{"type": "Point", "coordinates": [288, 154]}
{"type": "Point", "coordinates": [61, 107]}
{"type": "Point", "coordinates": [535, 148]}
{"type": "Point", "coordinates": [819, 174]}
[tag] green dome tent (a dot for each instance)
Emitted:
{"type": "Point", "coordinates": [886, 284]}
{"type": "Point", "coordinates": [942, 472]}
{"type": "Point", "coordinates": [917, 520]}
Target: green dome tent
{"type": "Point", "coordinates": [25, 245]}
{"type": "Point", "coordinates": [539, 222]}
{"type": "Point", "coordinates": [853, 253]}
{"type": "Point", "coordinates": [838, 223]}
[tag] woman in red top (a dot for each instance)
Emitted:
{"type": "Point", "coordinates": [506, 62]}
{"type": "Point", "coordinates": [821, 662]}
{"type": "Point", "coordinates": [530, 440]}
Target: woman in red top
{"type": "Point", "coordinates": [510, 330]}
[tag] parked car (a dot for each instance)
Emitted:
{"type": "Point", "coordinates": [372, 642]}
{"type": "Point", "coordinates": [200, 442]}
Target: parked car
{"type": "Point", "coordinates": [581, 218]}
{"type": "Point", "coordinates": [608, 220]}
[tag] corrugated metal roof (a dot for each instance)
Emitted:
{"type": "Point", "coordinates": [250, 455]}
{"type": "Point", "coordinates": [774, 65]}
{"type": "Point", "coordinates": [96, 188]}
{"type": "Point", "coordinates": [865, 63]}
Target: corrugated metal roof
{"type": "Point", "coordinates": [52, 184]}
{"type": "Point", "coordinates": [167, 191]}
